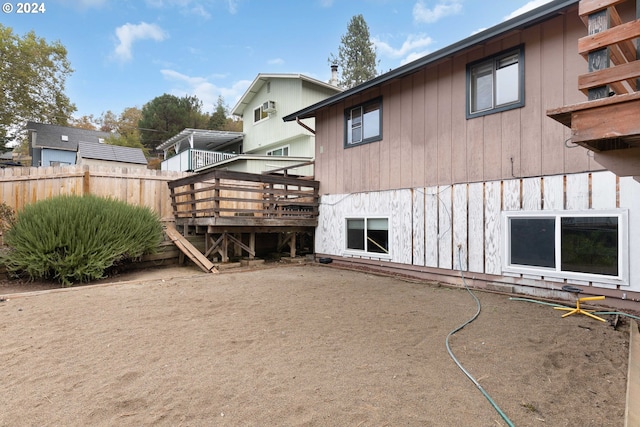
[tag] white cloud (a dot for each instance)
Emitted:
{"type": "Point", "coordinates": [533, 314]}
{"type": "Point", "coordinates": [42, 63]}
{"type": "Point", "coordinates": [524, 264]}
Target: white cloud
{"type": "Point", "coordinates": [205, 90]}
{"type": "Point", "coordinates": [423, 14]}
{"type": "Point", "coordinates": [526, 8]}
{"type": "Point", "coordinates": [275, 61]}
{"type": "Point", "coordinates": [232, 6]}
{"type": "Point", "coordinates": [413, 56]}
{"type": "Point", "coordinates": [127, 34]}
{"type": "Point", "coordinates": [409, 46]}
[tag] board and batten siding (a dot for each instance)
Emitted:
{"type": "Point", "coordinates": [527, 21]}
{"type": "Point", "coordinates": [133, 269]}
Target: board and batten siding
{"type": "Point", "coordinates": [460, 226]}
{"type": "Point", "coordinates": [427, 139]}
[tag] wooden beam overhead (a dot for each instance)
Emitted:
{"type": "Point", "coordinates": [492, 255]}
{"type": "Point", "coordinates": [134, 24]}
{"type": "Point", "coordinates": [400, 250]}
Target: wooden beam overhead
{"type": "Point", "coordinates": [587, 7]}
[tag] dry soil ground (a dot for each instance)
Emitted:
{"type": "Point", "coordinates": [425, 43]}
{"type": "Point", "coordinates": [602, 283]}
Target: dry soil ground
{"type": "Point", "coordinates": [305, 345]}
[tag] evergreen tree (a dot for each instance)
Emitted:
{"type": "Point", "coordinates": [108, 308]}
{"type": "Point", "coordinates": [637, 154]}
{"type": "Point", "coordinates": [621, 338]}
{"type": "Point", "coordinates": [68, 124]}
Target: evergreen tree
{"type": "Point", "coordinates": [218, 119]}
{"type": "Point", "coordinates": [167, 115]}
{"type": "Point", "coordinates": [356, 58]}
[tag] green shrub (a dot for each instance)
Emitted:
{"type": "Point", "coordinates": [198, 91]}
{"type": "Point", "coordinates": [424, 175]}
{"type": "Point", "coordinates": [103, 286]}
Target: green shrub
{"type": "Point", "coordinates": [7, 217]}
{"type": "Point", "coordinates": [77, 238]}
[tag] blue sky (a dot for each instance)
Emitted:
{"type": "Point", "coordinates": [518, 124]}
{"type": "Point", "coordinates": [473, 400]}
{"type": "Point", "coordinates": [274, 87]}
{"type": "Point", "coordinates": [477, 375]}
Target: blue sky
{"type": "Point", "coordinates": [125, 53]}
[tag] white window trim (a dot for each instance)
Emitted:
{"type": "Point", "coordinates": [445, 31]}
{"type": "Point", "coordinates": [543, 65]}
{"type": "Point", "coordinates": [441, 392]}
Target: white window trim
{"type": "Point", "coordinates": [267, 117]}
{"type": "Point", "coordinates": [623, 246]}
{"type": "Point", "coordinates": [365, 254]}
{"type": "Point", "coordinates": [288, 147]}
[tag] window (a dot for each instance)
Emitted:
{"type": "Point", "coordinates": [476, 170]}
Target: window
{"type": "Point", "coordinates": [496, 84]}
{"type": "Point", "coordinates": [584, 246]}
{"type": "Point", "coordinates": [259, 114]}
{"type": "Point", "coordinates": [370, 235]}
{"type": "Point", "coordinates": [363, 124]}
{"type": "Point", "coordinates": [282, 151]}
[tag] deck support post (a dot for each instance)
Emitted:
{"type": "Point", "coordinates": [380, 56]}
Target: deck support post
{"type": "Point", "coordinates": [599, 59]}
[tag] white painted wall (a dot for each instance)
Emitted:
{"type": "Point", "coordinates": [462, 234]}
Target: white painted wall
{"type": "Point", "coordinates": [428, 226]}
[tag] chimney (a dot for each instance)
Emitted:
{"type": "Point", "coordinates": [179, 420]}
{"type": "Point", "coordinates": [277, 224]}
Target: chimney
{"type": "Point", "coordinates": [334, 75]}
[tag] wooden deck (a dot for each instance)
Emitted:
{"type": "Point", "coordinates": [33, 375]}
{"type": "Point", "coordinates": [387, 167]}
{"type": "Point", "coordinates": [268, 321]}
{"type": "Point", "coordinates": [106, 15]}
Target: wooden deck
{"type": "Point", "coordinates": [230, 208]}
{"type": "Point", "coordinates": [608, 119]}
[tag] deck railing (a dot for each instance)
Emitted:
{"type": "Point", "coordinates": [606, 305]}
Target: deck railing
{"type": "Point", "coordinates": [610, 49]}
{"type": "Point", "coordinates": [192, 159]}
{"type": "Point", "coordinates": [221, 193]}
{"type": "Point", "coordinates": [608, 120]}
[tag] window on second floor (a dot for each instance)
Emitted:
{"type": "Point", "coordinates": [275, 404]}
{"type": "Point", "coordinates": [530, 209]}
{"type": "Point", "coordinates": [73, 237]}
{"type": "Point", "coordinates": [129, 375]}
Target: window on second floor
{"type": "Point", "coordinates": [363, 123]}
{"type": "Point", "coordinates": [496, 84]}
{"type": "Point", "coordinates": [282, 151]}
{"type": "Point", "coordinates": [259, 114]}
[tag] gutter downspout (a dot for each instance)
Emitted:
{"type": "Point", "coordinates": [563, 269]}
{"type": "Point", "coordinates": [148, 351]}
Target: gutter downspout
{"type": "Point", "coordinates": [305, 126]}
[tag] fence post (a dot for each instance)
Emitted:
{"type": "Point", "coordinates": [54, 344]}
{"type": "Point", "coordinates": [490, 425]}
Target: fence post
{"type": "Point", "coordinates": [86, 182]}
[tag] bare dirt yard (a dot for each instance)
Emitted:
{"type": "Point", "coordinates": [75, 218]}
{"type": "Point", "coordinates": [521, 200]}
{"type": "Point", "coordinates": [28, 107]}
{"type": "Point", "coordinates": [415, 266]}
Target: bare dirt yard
{"type": "Point", "coordinates": [304, 345]}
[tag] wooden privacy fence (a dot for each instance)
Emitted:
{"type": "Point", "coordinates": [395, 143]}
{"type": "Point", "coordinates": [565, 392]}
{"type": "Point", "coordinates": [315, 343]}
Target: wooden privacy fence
{"type": "Point", "coordinates": [141, 187]}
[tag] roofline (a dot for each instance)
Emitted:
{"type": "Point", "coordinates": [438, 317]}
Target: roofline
{"type": "Point", "coordinates": [184, 134]}
{"type": "Point", "coordinates": [527, 19]}
{"type": "Point", "coordinates": [266, 76]}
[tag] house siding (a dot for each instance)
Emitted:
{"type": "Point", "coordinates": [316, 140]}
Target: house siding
{"type": "Point", "coordinates": [445, 182]}
{"type": "Point", "coordinates": [427, 139]}
{"type": "Point", "coordinates": [289, 94]}
{"type": "Point", "coordinates": [51, 157]}
{"type": "Point", "coordinates": [453, 227]}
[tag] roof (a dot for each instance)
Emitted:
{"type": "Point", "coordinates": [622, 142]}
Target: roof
{"type": "Point", "coordinates": [520, 22]}
{"type": "Point", "coordinates": [203, 138]}
{"type": "Point", "coordinates": [262, 78]}
{"type": "Point", "coordinates": [113, 153]}
{"type": "Point", "coordinates": [51, 136]}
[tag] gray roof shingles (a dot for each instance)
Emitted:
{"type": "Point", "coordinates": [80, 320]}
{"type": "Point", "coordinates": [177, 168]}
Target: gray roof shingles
{"type": "Point", "coordinates": [50, 136]}
{"type": "Point", "coordinates": [86, 142]}
{"type": "Point", "coordinates": [114, 153]}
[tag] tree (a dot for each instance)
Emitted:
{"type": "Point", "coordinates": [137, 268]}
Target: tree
{"type": "Point", "coordinates": [123, 127]}
{"type": "Point", "coordinates": [218, 119]}
{"type": "Point", "coordinates": [32, 82]}
{"type": "Point", "coordinates": [84, 122]}
{"type": "Point", "coordinates": [167, 115]}
{"type": "Point", "coordinates": [356, 58]}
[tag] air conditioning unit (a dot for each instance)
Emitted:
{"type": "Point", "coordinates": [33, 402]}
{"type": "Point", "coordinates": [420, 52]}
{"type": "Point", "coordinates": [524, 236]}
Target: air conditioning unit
{"type": "Point", "coordinates": [269, 107]}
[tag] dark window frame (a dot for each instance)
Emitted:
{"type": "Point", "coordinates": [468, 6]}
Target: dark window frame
{"type": "Point", "coordinates": [348, 128]}
{"type": "Point", "coordinates": [493, 62]}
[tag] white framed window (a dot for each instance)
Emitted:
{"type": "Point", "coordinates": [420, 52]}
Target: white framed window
{"type": "Point", "coordinates": [259, 114]}
{"type": "Point", "coordinates": [282, 151]}
{"type": "Point", "coordinates": [496, 84]}
{"type": "Point", "coordinates": [367, 236]}
{"type": "Point", "coordinates": [363, 123]}
{"type": "Point", "coordinates": [587, 246]}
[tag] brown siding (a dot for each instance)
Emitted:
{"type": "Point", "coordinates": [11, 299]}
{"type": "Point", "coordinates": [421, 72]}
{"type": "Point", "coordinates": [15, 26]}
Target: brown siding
{"type": "Point", "coordinates": [459, 168]}
{"type": "Point", "coordinates": [418, 112]}
{"type": "Point", "coordinates": [428, 140]}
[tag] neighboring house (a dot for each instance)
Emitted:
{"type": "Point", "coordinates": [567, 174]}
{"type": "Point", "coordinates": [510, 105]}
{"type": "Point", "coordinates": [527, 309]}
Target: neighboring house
{"type": "Point", "coordinates": [90, 153]}
{"type": "Point", "coordinates": [194, 149]}
{"type": "Point", "coordinates": [449, 164]}
{"type": "Point", "coordinates": [53, 145]}
{"type": "Point", "coordinates": [267, 143]}
{"type": "Point", "coordinates": [7, 160]}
